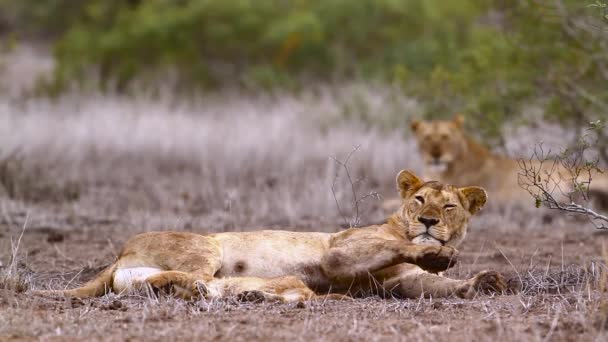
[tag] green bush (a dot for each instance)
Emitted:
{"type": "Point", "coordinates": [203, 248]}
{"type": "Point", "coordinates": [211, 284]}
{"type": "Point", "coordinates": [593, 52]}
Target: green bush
{"type": "Point", "coordinates": [487, 59]}
{"type": "Point", "coordinates": [214, 42]}
{"type": "Point", "coordinates": [550, 55]}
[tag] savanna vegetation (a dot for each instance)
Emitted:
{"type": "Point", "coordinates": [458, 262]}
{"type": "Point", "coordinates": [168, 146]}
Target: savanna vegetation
{"type": "Point", "coordinates": [491, 60]}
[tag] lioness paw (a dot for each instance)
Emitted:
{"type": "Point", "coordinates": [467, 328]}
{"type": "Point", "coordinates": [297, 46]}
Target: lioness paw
{"type": "Point", "coordinates": [200, 289]}
{"type": "Point", "coordinates": [437, 258]}
{"type": "Point", "coordinates": [489, 282]}
{"type": "Point", "coordinates": [251, 296]}
{"type": "Point", "coordinates": [486, 282]}
{"type": "Point", "coordinates": [162, 285]}
{"type": "Point", "coordinates": [256, 296]}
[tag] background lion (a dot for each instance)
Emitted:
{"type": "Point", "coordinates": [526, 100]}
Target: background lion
{"type": "Point", "coordinates": [452, 156]}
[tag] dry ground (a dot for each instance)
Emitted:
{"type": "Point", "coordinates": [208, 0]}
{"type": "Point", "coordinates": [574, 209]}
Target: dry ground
{"type": "Point", "coordinates": [81, 174]}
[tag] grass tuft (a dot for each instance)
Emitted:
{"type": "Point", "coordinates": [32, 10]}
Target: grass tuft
{"type": "Point", "coordinates": [14, 276]}
{"type": "Point", "coordinates": [571, 278]}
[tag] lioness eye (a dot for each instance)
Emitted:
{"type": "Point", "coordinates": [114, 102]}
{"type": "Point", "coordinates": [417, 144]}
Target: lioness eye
{"type": "Point", "coordinates": [450, 206]}
{"type": "Point", "coordinates": [420, 199]}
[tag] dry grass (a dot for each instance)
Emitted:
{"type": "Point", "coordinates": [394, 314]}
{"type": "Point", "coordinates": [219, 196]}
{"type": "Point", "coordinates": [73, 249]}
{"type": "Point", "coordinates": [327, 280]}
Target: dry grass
{"type": "Point", "coordinates": [233, 161]}
{"type": "Point", "coordinates": [249, 160]}
{"type": "Point", "coordinates": [13, 276]}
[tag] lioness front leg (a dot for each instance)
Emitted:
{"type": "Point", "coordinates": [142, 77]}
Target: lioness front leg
{"type": "Point", "coordinates": [431, 285]}
{"type": "Point", "coordinates": [357, 260]}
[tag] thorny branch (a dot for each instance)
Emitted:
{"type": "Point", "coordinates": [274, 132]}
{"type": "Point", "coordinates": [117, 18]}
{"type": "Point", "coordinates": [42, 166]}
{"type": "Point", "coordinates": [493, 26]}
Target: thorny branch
{"type": "Point", "coordinates": [343, 165]}
{"type": "Point", "coordinates": [562, 182]}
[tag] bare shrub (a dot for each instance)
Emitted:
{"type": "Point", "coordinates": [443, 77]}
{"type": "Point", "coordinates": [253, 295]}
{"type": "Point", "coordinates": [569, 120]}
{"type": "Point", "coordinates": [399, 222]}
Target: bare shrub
{"type": "Point", "coordinates": [357, 200]}
{"type": "Point", "coordinates": [562, 182]}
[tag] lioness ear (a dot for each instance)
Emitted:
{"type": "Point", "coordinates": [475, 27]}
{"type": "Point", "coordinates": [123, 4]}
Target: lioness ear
{"type": "Point", "coordinates": [407, 183]}
{"type": "Point", "coordinates": [476, 198]}
{"type": "Point", "coordinates": [459, 120]}
{"type": "Point", "coordinates": [414, 125]}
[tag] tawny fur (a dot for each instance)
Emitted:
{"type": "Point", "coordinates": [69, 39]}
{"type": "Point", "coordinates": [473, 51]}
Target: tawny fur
{"type": "Point", "coordinates": [399, 258]}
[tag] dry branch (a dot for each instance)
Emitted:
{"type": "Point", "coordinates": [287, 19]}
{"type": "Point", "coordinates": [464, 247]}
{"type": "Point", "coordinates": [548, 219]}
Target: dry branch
{"type": "Point", "coordinates": [561, 182]}
{"type": "Point", "coordinates": [343, 165]}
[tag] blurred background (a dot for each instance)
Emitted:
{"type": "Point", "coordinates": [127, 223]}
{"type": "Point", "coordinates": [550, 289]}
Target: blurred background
{"type": "Point", "coordinates": [230, 111]}
{"type": "Point", "coordinates": [488, 59]}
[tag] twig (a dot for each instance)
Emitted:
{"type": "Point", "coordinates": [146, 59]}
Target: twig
{"type": "Point", "coordinates": [356, 201]}
{"type": "Point", "coordinates": [15, 247]}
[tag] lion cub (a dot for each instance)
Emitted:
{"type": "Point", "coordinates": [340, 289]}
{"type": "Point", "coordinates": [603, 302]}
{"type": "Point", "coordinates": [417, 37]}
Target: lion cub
{"type": "Point", "coordinates": [401, 257]}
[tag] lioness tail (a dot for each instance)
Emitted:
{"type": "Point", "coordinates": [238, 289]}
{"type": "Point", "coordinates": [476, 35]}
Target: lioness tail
{"type": "Point", "coordinates": [96, 287]}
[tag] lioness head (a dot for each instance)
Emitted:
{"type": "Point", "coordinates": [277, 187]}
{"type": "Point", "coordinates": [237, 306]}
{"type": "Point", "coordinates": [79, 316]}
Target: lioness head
{"type": "Point", "coordinates": [434, 213]}
{"type": "Point", "coordinates": [441, 142]}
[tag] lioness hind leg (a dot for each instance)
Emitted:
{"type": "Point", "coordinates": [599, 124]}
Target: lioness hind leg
{"type": "Point", "coordinates": [255, 289]}
{"type": "Point", "coordinates": [288, 296]}
{"type": "Point", "coordinates": [285, 289]}
{"type": "Point", "coordinates": [180, 284]}
{"type": "Point", "coordinates": [194, 260]}
{"type": "Point", "coordinates": [292, 289]}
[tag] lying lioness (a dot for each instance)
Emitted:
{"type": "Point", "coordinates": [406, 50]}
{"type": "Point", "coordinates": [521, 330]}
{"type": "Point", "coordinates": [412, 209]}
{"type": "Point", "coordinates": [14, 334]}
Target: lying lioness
{"type": "Point", "coordinates": [400, 257]}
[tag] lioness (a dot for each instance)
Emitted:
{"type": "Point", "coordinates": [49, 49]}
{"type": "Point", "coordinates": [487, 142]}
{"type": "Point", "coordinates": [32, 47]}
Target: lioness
{"type": "Point", "coordinates": [399, 257]}
{"type": "Point", "coordinates": [452, 156]}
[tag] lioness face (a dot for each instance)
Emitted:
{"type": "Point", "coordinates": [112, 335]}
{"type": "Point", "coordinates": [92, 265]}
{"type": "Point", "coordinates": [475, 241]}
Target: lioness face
{"type": "Point", "coordinates": [435, 213]}
{"type": "Point", "coordinates": [440, 142]}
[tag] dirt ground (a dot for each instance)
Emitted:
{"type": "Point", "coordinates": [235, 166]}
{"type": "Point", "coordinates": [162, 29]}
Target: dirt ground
{"type": "Point", "coordinates": [76, 192]}
{"type": "Point", "coordinates": [554, 268]}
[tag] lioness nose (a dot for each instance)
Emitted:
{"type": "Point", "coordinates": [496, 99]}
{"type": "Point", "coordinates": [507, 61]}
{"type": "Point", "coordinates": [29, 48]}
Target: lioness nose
{"type": "Point", "coordinates": [428, 221]}
{"type": "Point", "coordinates": [435, 152]}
